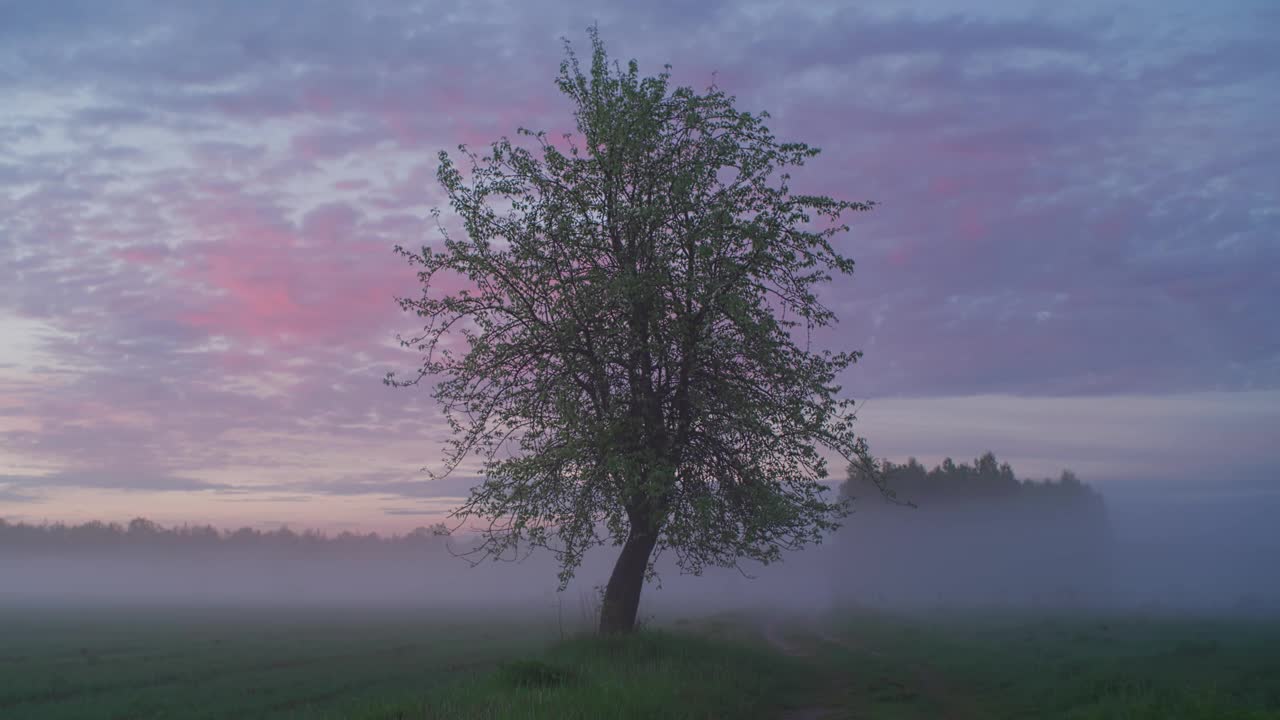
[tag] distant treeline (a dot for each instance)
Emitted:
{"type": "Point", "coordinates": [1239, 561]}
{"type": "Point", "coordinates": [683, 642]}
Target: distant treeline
{"type": "Point", "coordinates": [976, 533]}
{"type": "Point", "coordinates": [948, 483]}
{"type": "Point", "coordinates": [141, 533]}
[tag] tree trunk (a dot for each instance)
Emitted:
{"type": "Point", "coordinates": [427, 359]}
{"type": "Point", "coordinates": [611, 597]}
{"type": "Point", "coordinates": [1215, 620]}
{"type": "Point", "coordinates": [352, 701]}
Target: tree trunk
{"type": "Point", "coordinates": [622, 595]}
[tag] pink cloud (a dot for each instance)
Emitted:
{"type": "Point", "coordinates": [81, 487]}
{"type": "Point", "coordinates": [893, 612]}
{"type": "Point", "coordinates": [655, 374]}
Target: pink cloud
{"type": "Point", "coordinates": [150, 254]}
{"type": "Point", "coordinates": [988, 174]}
{"type": "Point", "coordinates": [267, 279]}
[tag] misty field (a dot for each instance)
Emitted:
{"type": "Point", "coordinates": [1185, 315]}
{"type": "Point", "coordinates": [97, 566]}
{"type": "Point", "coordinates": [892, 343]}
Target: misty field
{"type": "Point", "coordinates": [381, 663]}
{"type": "Point", "coordinates": [228, 662]}
{"type": "Point", "coordinates": [1026, 665]}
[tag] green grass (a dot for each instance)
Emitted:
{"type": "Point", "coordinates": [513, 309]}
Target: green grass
{"type": "Point", "coordinates": [249, 663]}
{"type": "Point", "coordinates": [653, 674]}
{"type": "Point", "coordinates": [1097, 667]}
{"type": "Point", "coordinates": [420, 665]}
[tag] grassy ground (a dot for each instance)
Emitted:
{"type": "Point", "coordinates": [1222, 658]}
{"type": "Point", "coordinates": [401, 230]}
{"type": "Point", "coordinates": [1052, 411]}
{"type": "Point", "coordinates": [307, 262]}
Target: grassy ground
{"type": "Point", "coordinates": [656, 674]}
{"type": "Point", "coordinates": [228, 663]}
{"type": "Point", "coordinates": [411, 665]}
{"type": "Point", "coordinates": [1113, 667]}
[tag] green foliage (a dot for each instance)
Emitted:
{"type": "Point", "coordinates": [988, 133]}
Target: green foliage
{"type": "Point", "coordinates": [618, 335]}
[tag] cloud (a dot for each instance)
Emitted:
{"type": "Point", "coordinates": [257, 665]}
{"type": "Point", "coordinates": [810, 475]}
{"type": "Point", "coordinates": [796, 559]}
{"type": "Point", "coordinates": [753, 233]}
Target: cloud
{"type": "Point", "coordinates": [108, 480]}
{"type": "Point", "coordinates": [393, 485]}
{"type": "Point", "coordinates": [11, 494]}
{"type": "Point", "coordinates": [197, 207]}
{"type": "Point", "coordinates": [1201, 438]}
{"type": "Point", "coordinates": [268, 499]}
{"type": "Point", "coordinates": [409, 511]}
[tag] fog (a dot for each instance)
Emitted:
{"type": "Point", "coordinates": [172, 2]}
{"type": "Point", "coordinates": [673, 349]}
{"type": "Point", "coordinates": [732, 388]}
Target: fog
{"type": "Point", "coordinates": [1137, 548]}
{"type": "Point", "coordinates": [1210, 551]}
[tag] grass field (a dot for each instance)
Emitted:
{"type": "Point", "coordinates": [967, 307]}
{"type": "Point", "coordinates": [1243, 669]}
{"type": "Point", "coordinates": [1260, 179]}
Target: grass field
{"type": "Point", "coordinates": [1113, 667]}
{"type": "Point", "coordinates": [384, 664]}
{"type": "Point", "coordinates": [232, 663]}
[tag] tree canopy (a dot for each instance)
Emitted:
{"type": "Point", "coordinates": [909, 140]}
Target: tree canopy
{"type": "Point", "coordinates": [628, 355]}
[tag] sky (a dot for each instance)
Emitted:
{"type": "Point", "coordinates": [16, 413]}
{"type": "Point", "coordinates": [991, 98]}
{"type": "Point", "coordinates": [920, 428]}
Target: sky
{"type": "Point", "coordinates": [1075, 260]}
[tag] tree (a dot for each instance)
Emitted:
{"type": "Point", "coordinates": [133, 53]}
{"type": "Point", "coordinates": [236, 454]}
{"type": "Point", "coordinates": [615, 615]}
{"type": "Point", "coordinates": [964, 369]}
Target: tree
{"type": "Point", "coordinates": [629, 356]}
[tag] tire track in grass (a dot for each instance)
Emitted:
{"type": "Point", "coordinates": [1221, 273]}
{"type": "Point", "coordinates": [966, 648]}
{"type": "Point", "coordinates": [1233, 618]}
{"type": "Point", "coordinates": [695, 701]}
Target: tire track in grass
{"type": "Point", "coordinates": [775, 636]}
{"type": "Point", "coordinates": [954, 703]}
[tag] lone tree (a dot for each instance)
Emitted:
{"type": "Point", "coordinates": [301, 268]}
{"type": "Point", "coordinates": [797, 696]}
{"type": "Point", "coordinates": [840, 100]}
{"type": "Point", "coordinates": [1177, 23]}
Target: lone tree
{"type": "Point", "coordinates": [628, 354]}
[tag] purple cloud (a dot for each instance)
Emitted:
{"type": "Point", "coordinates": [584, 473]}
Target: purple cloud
{"type": "Point", "coordinates": [197, 208]}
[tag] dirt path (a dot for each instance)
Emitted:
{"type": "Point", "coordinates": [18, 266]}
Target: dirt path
{"type": "Point", "coordinates": [796, 640]}
{"type": "Point", "coordinates": [778, 634]}
{"type": "Point", "coordinates": [775, 633]}
{"type": "Point", "coordinates": [953, 703]}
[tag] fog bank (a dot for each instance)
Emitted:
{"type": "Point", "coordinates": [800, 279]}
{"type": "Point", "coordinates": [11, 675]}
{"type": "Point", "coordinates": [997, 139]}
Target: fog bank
{"type": "Point", "coordinates": [1137, 550]}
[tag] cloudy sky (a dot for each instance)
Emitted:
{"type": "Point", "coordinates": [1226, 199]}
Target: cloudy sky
{"type": "Point", "coordinates": [1075, 263]}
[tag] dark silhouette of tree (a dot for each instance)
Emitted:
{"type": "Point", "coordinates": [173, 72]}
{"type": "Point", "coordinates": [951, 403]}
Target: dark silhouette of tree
{"type": "Point", "coordinates": [976, 532]}
{"type": "Point", "coordinates": [629, 356]}
{"type": "Point", "coordinates": [985, 479]}
{"type": "Point", "coordinates": [144, 533]}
